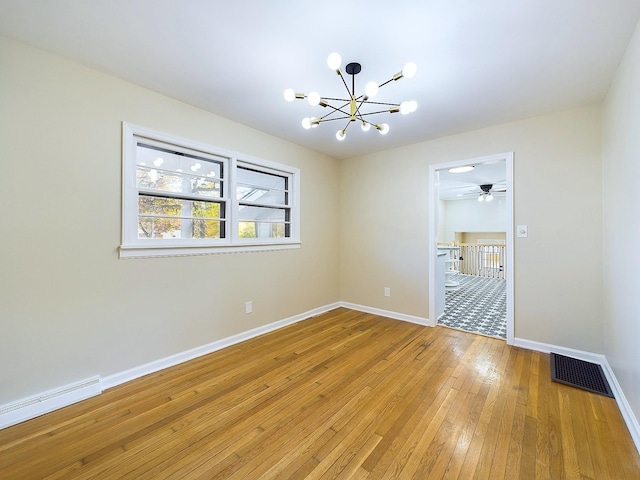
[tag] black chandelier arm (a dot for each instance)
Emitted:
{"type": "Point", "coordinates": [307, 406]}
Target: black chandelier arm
{"type": "Point", "coordinates": [387, 82]}
{"type": "Point", "coordinates": [336, 109]}
{"type": "Point", "coordinates": [360, 117]}
{"type": "Point", "coordinates": [324, 119]}
{"type": "Point", "coordinates": [359, 104]}
{"type": "Point", "coordinates": [368, 102]}
{"type": "Point", "coordinates": [345, 100]}
{"type": "Point", "coordinates": [345, 83]}
{"type": "Point", "coordinates": [376, 113]}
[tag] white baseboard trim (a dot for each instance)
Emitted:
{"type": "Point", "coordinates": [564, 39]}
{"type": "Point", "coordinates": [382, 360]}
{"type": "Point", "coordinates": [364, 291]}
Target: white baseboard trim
{"type": "Point", "coordinates": [45, 402]}
{"type": "Point", "coordinates": [156, 365]}
{"type": "Point", "coordinates": [627, 413]}
{"type": "Point", "coordinates": [36, 405]}
{"type": "Point", "coordinates": [387, 313]}
{"type": "Point", "coordinates": [625, 409]}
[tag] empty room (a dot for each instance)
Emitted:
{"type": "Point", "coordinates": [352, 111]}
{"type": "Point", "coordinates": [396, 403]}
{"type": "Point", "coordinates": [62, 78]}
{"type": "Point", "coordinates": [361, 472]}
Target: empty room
{"type": "Point", "coordinates": [233, 234]}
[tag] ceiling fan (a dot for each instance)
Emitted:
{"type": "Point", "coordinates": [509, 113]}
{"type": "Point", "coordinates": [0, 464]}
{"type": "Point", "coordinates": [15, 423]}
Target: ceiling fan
{"type": "Point", "coordinates": [493, 188]}
{"type": "Point", "coordinates": [487, 191]}
{"type": "Point", "coordinates": [483, 191]}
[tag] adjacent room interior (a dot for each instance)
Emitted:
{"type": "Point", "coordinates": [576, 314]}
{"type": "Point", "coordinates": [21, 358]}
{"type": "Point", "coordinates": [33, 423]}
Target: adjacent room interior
{"type": "Point", "coordinates": [471, 222]}
{"type": "Point", "coordinates": [206, 275]}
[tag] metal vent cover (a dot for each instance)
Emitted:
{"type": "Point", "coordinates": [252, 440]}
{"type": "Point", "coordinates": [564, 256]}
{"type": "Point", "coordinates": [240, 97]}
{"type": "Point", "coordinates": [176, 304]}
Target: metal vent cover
{"type": "Point", "coordinates": [578, 373]}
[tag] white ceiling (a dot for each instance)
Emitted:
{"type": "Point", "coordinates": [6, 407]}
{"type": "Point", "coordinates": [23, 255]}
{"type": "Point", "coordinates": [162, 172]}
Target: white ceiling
{"type": "Point", "coordinates": [480, 63]}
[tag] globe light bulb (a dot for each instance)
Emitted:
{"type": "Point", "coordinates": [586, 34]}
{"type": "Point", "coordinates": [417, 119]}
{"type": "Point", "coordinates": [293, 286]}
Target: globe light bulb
{"type": "Point", "coordinates": [306, 123]}
{"type": "Point", "coordinates": [371, 89]}
{"type": "Point", "coordinates": [408, 107]}
{"type": "Point", "coordinates": [409, 70]}
{"type": "Point", "coordinates": [314, 99]}
{"type": "Point", "coordinates": [334, 61]}
{"type": "Point", "coordinates": [289, 95]}
{"type": "Point", "coordinates": [341, 134]}
{"type": "Point", "coordinates": [365, 126]}
{"type": "Point", "coordinates": [383, 128]}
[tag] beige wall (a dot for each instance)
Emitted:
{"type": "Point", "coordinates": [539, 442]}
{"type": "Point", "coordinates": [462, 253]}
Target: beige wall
{"type": "Point", "coordinates": [384, 237]}
{"type": "Point", "coordinates": [69, 308]}
{"type": "Point", "coordinates": [621, 227]}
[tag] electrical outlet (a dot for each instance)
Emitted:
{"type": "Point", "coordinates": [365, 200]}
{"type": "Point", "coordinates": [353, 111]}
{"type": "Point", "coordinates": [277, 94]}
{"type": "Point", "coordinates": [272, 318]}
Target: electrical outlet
{"type": "Point", "coordinates": [248, 307]}
{"type": "Point", "coordinates": [387, 292]}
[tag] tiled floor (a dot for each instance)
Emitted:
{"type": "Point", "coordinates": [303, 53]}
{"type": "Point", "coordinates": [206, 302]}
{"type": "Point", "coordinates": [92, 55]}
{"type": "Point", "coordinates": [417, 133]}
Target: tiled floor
{"type": "Point", "coordinates": [479, 306]}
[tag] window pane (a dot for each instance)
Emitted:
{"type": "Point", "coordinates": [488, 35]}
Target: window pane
{"type": "Point", "coordinates": [168, 228]}
{"type": "Point", "coordinates": [161, 217]}
{"type": "Point", "coordinates": [261, 187]}
{"type": "Point", "coordinates": [175, 172]}
{"type": "Point", "coordinates": [263, 222]}
{"type": "Point", "coordinates": [263, 214]}
{"type": "Point", "coordinates": [176, 207]}
{"type": "Point", "coordinates": [263, 230]}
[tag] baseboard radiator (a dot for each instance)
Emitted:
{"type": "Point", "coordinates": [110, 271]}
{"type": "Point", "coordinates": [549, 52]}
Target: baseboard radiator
{"type": "Point", "coordinates": [46, 402]}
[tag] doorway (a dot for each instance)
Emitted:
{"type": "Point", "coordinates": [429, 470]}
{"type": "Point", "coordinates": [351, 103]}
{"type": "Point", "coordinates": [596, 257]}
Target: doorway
{"type": "Point", "coordinates": [492, 177]}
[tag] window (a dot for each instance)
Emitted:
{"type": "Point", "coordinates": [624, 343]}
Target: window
{"type": "Point", "coordinates": [182, 198]}
{"type": "Point", "coordinates": [263, 210]}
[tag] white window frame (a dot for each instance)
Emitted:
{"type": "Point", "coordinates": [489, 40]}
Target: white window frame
{"type": "Point", "coordinates": [134, 247]}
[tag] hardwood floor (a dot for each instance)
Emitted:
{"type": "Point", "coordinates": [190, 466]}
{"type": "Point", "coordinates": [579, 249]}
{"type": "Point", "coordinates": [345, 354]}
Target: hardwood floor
{"type": "Point", "coordinates": [342, 395]}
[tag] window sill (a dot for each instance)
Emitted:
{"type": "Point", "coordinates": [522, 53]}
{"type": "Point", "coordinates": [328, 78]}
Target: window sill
{"type": "Point", "coordinates": [128, 251]}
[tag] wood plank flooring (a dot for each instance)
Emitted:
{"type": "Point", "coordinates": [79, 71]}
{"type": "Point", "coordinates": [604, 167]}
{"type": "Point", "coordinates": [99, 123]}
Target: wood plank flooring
{"type": "Point", "coordinates": [343, 395]}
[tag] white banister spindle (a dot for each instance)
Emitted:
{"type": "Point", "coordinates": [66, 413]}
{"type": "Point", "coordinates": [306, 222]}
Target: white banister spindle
{"type": "Point", "coordinates": [487, 260]}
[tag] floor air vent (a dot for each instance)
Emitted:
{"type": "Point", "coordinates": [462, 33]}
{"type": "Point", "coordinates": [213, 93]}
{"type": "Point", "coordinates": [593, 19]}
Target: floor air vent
{"type": "Point", "coordinates": [578, 373]}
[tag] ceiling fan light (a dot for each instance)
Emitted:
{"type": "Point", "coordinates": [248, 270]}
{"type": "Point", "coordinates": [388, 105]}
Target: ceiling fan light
{"type": "Point", "coordinates": [481, 198]}
{"type": "Point", "coordinates": [489, 197]}
{"type": "Point", "coordinates": [334, 61]}
{"type": "Point", "coordinates": [341, 134]}
{"type": "Point", "coordinates": [314, 99]}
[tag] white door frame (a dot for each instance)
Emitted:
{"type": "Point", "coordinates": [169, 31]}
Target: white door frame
{"type": "Point", "coordinates": [433, 211]}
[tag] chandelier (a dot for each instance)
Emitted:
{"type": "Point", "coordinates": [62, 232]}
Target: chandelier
{"type": "Point", "coordinates": [354, 108]}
